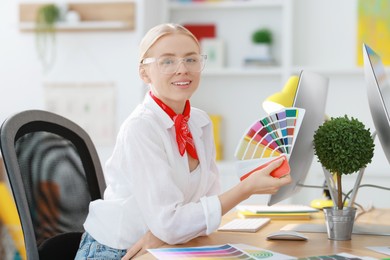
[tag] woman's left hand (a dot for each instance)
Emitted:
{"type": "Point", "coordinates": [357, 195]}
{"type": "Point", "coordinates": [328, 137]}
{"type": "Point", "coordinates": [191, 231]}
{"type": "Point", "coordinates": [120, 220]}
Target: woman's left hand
{"type": "Point", "coordinates": [139, 248]}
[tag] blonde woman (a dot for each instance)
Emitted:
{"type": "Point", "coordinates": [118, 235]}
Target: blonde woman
{"type": "Point", "coordinates": [162, 179]}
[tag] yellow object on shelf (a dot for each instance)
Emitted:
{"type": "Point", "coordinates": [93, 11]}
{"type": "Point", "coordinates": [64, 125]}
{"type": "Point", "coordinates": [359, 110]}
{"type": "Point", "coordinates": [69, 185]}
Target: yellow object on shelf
{"type": "Point", "coordinates": [216, 121]}
{"type": "Point", "coordinates": [10, 218]}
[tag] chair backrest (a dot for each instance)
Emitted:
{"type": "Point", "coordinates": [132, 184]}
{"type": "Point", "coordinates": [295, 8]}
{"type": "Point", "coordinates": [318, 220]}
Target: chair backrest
{"type": "Point", "coordinates": [54, 172]}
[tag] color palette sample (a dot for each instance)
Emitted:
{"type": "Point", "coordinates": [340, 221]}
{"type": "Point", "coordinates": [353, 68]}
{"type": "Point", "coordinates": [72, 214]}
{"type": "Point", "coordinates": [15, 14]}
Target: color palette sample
{"type": "Point", "coordinates": [227, 251]}
{"type": "Point", "coordinates": [271, 136]}
{"type": "Point", "coordinates": [212, 252]}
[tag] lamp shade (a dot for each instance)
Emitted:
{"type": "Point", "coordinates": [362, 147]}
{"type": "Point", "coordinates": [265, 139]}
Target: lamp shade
{"type": "Point", "coordinates": [284, 98]}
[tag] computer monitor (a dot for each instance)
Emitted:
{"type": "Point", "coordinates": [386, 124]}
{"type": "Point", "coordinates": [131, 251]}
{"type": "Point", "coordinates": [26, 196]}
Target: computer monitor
{"type": "Point", "coordinates": [378, 93]}
{"type": "Point", "coordinates": [311, 95]}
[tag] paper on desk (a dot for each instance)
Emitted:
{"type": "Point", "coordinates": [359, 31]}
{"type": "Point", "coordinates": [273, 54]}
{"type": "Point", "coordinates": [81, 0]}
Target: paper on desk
{"type": "Point", "coordinates": [204, 252]}
{"type": "Point", "coordinates": [380, 249]}
{"type": "Point", "coordinates": [289, 208]}
{"type": "Point", "coordinates": [259, 253]}
{"type": "Point", "coordinates": [227, 251]}
{"type": "Point", "coordinates": [339, 256]}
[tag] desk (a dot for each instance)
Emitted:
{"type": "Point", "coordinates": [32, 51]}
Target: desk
{"type": "Point", "coordinates": [318, 243]}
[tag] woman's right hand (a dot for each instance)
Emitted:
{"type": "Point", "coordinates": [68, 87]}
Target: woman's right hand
{"type": "Point", "coordinates": [261, 182]}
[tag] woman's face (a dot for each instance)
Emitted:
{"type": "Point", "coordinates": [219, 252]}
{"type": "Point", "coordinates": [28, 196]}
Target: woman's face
{"type": "Point", "coordinates": [176, 87]}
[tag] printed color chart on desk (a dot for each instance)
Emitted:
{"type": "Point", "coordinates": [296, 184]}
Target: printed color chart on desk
{"type": "Point", "coordinates": [212, 252]}
{"type": "Point", "coordinates": [227, 251]}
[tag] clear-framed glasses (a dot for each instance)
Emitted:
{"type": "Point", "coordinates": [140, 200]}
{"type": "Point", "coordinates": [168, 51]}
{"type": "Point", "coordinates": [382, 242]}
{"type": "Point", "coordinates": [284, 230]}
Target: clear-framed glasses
{"type": "Point", "coordinates": [170, 64]}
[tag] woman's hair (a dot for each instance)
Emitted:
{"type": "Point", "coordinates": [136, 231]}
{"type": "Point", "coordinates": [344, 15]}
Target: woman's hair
{"type": "Point", "coordinates": [159, 31]}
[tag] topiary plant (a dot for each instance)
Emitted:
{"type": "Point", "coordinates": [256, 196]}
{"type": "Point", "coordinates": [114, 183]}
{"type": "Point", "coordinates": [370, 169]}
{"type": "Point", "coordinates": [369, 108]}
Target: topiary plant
{"type": "Point", "coordinates": [262, 36]}
{"type": "Point", "coordinates": [343, 146]}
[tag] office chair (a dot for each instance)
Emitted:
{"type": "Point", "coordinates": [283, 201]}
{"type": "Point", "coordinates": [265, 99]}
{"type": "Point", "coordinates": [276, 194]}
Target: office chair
{"type": "Point", "coordinates": [54, 172]}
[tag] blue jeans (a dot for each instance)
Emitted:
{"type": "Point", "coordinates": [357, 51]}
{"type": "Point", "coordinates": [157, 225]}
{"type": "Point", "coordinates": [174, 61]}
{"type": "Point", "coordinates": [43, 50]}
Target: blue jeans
{"type": "Point", "coordinates": [90, 249]}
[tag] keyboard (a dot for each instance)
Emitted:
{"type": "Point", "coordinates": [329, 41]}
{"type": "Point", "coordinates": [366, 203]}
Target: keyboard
{"type": "Point", "coordinates": [245, 225]}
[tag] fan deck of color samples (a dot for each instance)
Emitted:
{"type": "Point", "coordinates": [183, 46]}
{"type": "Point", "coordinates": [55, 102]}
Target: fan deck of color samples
{"type": "Point", "coordinates": [271, 136]}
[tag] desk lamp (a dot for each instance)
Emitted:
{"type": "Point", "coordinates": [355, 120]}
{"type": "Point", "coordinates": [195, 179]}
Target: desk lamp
{"type": "Point", "coordinates": [286, 98]}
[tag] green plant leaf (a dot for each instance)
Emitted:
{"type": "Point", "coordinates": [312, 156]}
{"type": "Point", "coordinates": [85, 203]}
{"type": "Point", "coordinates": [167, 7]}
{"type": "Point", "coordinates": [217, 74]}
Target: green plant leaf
{"type": "Point", "coordinates": [262, 36]}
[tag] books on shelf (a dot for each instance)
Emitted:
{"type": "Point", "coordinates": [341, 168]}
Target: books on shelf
{"type": "Point", "coordinates": [258, 62]}
{"type": "Point", "coordinates": [300, 212]}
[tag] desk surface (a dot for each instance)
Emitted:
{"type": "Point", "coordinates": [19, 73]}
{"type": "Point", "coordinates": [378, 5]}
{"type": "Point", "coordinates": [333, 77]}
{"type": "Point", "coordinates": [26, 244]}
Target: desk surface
{"type": "Point", "coordinates": [317, 244]}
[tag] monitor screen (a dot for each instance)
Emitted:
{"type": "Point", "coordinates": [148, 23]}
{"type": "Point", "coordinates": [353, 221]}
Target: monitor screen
{"type": "Point", "coordinates": [311, 95]}
{"type": "Point", "coordinates": [378, 93]}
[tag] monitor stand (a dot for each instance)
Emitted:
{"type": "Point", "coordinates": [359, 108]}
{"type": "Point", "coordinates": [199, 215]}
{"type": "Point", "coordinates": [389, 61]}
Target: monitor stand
{"type": "Point", "coordinates": [358, 229]}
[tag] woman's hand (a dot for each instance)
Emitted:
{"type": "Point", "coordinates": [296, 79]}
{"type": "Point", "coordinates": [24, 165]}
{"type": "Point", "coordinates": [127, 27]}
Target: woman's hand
{"type": "Point", "coordinates": [261, 182]}
{"type": "Point", "coordinates": [139, 248]}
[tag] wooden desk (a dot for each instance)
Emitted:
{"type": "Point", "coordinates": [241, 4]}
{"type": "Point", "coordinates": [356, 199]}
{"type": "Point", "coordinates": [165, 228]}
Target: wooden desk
{"type": "Point", "coordinates": [318, 243]}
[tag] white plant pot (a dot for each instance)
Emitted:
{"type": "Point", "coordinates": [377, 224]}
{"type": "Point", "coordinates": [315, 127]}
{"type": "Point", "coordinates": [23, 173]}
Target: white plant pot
{"type": "Point", "coordinates": [262, 51]}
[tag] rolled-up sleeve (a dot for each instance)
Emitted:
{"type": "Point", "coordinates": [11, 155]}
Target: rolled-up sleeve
{"type": "Point", "coordinates": [212, 209]}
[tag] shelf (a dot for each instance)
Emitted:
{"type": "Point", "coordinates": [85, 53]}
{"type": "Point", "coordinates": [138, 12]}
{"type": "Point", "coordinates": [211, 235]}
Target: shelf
{"type": "Point", "coordinates": [330, 71]}
{"type": "Point", "coordinates": [264, 71]}
{"type": "Point", "coordinates": [81, 26]}
{"type": "Point", "coordinates": [94, 16]}
{"type": "Point", "coordinates": [177, 5]}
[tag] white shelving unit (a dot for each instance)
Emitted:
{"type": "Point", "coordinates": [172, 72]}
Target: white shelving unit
{"type": "Point", "coordinates": [235, 21]}
{"type": "Point", "coordinates": [236, 31]}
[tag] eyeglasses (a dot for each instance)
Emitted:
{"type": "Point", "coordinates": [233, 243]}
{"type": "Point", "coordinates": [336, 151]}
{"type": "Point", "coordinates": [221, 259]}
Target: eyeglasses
{"type": "Point", "coordinates": [169, 65]}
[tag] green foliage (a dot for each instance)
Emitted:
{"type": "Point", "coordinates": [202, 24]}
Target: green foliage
{"type": "Point", "coordinates": [343, 145]}
{"type": "Point", "coordinates": [262, 36]}
{"type": "Point", "coordinates": [47, 16]}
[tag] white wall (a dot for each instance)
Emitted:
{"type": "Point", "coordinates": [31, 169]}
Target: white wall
{"type": "Point", "coordinates": [20, 71]}
{"type": "Point", "coordinates": [81, 56]}
{"type": "Point", "coordinates": [325, 33]}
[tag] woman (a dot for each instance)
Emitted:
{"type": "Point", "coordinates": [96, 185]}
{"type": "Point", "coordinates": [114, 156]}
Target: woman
{"type": "Point", "coordinates": [162, 179]}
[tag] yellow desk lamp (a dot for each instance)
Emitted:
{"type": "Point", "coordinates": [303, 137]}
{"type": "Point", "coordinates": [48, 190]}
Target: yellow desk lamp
{"type": "Point", "coordinates": [285, 98]}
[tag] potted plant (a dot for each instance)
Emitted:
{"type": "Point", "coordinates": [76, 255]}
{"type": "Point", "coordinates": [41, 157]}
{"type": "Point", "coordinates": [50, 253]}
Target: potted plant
{"type": "Point", "coordinates": [262, 40]}
{"type": "Point", "coordinates": [47, 16]}
{"type": "Point", "coordinates": [343, 146]}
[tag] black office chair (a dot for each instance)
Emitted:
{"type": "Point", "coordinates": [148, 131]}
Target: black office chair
{"type": "Point", "coordinates": [54, 172]}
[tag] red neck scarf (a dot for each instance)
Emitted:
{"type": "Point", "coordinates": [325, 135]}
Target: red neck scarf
{"type": "Point", "coordinates": [183, 135]}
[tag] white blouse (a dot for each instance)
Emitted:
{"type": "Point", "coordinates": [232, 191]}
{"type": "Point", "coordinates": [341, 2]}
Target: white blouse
{"type": "Point", "coordinates": [150, 186]}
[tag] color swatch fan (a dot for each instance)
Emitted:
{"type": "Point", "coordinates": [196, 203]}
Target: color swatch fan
{"type": "Point", "coordinates": [269, 137]}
